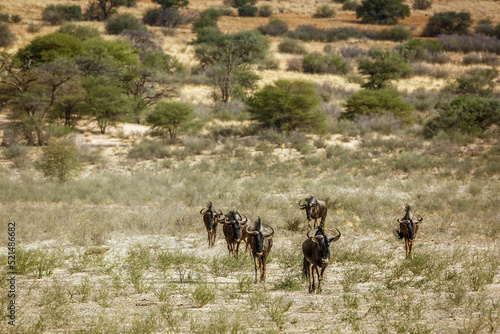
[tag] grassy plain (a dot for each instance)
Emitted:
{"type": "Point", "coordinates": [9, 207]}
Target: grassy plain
{"type": "Point", "coordinates": [122, 248]}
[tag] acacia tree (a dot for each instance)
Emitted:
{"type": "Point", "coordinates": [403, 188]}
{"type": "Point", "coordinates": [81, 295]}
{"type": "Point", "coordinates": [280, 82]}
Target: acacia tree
{"type": "Point", "coordinates": [101, 10]}
{"type": "Point", "coordinates": [69, 108]}
{"type": "Point", "coordinates": [148, 82]}
{"type": "Point", "coordinates": [228, 60]}
{"type": "Point", "coordinates": [287, 105]}
{"type": "Point", "coordinates": [105, 101]}
{"type": "Point", "coordinates": [34, 92]}
{"type": "Point", "coordinates": [170, 116]}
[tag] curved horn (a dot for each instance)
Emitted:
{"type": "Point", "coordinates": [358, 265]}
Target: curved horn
{"type": "Point", "coordinates": [421, 218]}
{"type": "Point", "coordinates": [337, 237]}
{"type": "Point", "coordinates": [309, 235]}
{"type": "Point", "coordinates": [301, 205]}
{"type": "Point", "coordinates": [251, 232]}
{"type": "Point", "coordinates": [404, 221]}
{"type": "Point", "coordinates": [271, 234]}
{"type": "Point", "coordinates": [201, 211]}
{"type": "Point", "coordinates": [220, 214]}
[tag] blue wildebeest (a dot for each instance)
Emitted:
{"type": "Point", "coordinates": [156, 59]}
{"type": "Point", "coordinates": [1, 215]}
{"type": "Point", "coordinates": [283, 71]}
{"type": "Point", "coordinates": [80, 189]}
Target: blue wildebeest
{"type": "Point", "coordinates": [233, 222]}
{"type": "Point", "coordinates": [211, 220]}
{"type": "Point", "coordinates": [261, 242]}
{"type": "Point", "coordinates": [316, 255]}
{"type": "Point", "coordinates": [408, 228]}
{"type": "Point", "coordinates": [315, 210]}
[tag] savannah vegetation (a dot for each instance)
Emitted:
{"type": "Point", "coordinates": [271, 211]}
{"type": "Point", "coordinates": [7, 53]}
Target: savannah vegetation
{"type": "Point", "coordinates": [121, 119]}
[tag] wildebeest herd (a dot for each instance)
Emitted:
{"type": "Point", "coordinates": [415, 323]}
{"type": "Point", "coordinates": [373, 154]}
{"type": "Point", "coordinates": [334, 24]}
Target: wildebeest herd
{"type": "Point", "coordinates": [258, 237]}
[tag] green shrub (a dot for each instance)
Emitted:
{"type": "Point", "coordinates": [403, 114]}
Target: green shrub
{"type": "Point", "coordinates": [239, 3]}
{"type": "Point", "coordinates": [170, 116]}
{"type": "Point", "coordinates": [275, 27]}
{"type": "Point", "coordinates": [265, 11]}
{"type": "Point", "coordinates": [422, 4]}
{"type": "Point", "coordinates": [485, 27]}
{"type": "Point", "coordinates": [247, 11]}
{"type": "Point", "coordinates": [466, 114]}
{"type": "Point", "coordinates": [386, 65]}
{"type": "Point", "coordinates": [416, 49]}
{"type": "Point", "coordinates": [81, 32]}
{"type": "Point", "coordinates": [477, 81]}
{"type": "Point", "coordinates": [287, 105]}
{"type": "Point", "coordinates": [7, 38]}
{"type": "Point", "coordinates": [168, 17]}
{"type": "Point", "coordinates": [324, 12]}
{"type": "Point", "coordinates": [350, 5]}
{"type": "Point", "coordinates": [397, 33]}
{"type": "Point", "coordinates": [208, 18]}
{"type": "Point", "coordinates": [383, 101]}
{"type": "Point", "coordinates": [318, 63]}
{"type": "Point", "coordinates": [118, 23]}
{"type": "Point", "coordinates": [382, 11]}
{"type": "Point", "coordinates": [172, 3]}
{"type": "Point", "coordinates": [293, 46]}
{"type": "Point", "coordinates": [447, 23]}
{"type": "Point", "coordinates": [202, 295]}
{"type": "Point", "coordinates": [57, 14]}
{"type": "Point", "coordinates": [60, 159]}
{"type": "Point", "coordinates": [49, 47]}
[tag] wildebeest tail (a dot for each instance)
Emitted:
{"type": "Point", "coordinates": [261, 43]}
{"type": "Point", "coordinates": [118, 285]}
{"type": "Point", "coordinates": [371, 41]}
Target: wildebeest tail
{"type": "Point", "coordinates": [398, 234]}
{"type": "Point", "coordinates": [305, 269]}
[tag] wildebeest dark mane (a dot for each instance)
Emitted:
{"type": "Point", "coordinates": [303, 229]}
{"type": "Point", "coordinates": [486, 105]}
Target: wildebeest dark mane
{"type": "Point", "coordinates": [210, 207]}
{"type": "Point", "coordinates": [320, 231]}
{"type": "Point", "coordinates": [309, 199]}
{"type": "Point", "coordinates": [257, 225]}
{"type": "Point", "coordinates": [232, 215]}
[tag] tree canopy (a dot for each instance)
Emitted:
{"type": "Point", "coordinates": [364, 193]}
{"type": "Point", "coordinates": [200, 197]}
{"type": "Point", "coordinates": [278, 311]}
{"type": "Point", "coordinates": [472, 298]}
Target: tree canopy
{"type": "Point", "coordinates": [287, 105]}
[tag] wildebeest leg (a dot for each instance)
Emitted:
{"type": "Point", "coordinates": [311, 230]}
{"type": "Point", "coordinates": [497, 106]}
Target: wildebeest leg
{"type": "Point", "coordinates": [263, 268]}
{"type": "Point", "coordinates": [410, 246]}
{"type": "Point", "coordinates": [237, 249]}
{"type": "Point", "coordinates": [310, 273]}
{"type": "Point", "coordinates": [320, 278]}
{"type": "Point", "coordinates": [256, 262]}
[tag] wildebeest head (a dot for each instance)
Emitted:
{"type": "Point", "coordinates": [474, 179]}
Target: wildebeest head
{"type": "Point", "coordinates": [235, 219]}
{"type": "Point", "coordinates": [210, 214]}
{"type": "Point", "coordinates": [323, 241]}
{"type": "Point", "coordinates": [410, 223]}
{"type": "Point", "coordinates": [311, 202]}
{"type": "Point", "coordinates": [260, 233]}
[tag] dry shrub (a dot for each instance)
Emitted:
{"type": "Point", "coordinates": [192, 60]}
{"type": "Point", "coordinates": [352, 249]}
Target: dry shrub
{"type": "Point", "coordinates": [352, 52]}
{"type": "Point", "coordinates": [470, 43]}
{"type": "Point", "coordinates": [295, 64]}
{"type": "Point", "coordinates": [293, 46]}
